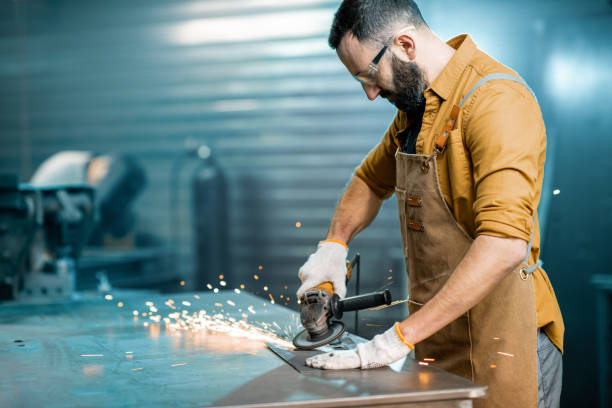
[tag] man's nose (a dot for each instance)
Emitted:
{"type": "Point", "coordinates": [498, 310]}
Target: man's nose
{"type": "Point", "coordinates": [371, 91]}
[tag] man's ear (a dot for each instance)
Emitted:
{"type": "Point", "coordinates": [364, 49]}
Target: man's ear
{"type": "Point", "coordinates": [405, 47]}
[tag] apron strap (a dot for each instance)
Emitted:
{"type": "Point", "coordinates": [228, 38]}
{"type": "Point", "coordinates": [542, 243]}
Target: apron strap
{"type": "Point", "coordinates": [496, 76]}
{"type": "Point", "coordinates": [440, 146]}
{"type": "Point", "coordinates": [440, 143]}
{"type": "Point", "coordinates": [529, 269]}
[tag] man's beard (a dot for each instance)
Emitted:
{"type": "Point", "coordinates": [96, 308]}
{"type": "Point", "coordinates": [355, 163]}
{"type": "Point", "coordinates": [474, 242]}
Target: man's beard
{"type": "Point", "coordinates": [410, 85]}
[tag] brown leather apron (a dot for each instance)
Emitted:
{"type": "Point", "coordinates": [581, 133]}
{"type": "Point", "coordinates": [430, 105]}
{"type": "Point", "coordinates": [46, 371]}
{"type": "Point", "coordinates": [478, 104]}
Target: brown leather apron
{"type": "Point", "coordinates": [495, 342]}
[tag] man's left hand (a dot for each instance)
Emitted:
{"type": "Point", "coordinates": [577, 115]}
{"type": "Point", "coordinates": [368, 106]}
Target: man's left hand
{"type": "Point", "coordinates": [382, 350]}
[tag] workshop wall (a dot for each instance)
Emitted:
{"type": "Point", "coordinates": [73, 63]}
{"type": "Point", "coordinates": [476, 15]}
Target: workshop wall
{"type": "Point", "coordinates": [256, 81]}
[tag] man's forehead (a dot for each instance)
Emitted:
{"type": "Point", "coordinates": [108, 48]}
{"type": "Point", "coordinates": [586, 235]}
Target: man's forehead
{"type": "Point", "coordinates": [353, 53]}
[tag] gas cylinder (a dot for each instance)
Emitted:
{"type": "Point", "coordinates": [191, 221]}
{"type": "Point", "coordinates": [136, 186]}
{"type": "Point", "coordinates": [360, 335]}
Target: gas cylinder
{"type": "Point", "coordinates": [210, 215]}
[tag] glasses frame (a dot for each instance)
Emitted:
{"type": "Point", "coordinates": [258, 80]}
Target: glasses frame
{"type": "Point", "coordinates": [373, 68]}
{"type": "Point", "coordinates": [370, 77]}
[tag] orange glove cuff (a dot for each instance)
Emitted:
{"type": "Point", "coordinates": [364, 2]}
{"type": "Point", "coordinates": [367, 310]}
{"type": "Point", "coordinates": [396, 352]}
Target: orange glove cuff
{"type": "Point", "coordinates": [337, 242]}
{"type": "Point", "coordinates": [401, 336]}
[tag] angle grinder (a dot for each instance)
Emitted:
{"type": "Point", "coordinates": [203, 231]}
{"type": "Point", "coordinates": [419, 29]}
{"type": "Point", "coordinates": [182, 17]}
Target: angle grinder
{"type": "Point", "coordinates": [320, 304]}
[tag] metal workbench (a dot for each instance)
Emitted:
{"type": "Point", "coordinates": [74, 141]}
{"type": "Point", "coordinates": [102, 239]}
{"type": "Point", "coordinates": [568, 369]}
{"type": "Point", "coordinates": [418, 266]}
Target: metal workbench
{"type": "Point", "coordinates": [90, 352]}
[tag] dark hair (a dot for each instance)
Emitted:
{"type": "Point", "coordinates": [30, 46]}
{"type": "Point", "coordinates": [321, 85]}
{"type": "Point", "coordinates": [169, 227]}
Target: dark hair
{"type": "Point", "coordinates": [373, 20]}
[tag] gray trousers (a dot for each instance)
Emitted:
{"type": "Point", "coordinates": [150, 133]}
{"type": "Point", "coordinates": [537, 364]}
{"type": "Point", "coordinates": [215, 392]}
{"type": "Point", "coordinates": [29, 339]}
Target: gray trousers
{"type": "Point", "coordinates": [550, 372]}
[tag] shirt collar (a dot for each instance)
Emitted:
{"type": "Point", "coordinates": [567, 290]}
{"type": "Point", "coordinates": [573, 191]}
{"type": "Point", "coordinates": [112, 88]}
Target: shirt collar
{"type": "Point", "coordinates": [446, 81]}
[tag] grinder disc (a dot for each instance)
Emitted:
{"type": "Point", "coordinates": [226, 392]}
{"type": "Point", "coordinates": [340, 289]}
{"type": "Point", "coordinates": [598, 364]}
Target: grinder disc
{"type": "Point", "coordinates": [307, 342]}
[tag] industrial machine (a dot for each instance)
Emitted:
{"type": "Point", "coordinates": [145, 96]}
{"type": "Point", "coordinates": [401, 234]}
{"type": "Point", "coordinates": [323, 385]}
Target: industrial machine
{"type": "Point", "coordinates": [42, 232]}
{"type": "Point", "coordinates": [320, 305]}
{"type": "Point", "coordinates": [118, 179]}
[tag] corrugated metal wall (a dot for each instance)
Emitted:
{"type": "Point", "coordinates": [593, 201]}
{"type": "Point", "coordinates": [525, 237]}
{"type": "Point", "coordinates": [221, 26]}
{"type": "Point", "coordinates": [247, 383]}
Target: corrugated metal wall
{"type": "Point", "coordinates": [256, 80]}
{"type": "Point", "coordinates": [253, 79]}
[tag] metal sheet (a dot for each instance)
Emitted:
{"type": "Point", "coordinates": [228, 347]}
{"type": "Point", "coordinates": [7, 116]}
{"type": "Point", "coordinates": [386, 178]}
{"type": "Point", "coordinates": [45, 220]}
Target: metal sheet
{"type": "Point", "coordinates": [295, 358]}
{"type": "Point", "coordinates": [90, 352]}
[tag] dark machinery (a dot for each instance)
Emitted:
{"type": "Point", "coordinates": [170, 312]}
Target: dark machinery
{"type": "Point", "coordinates": [320, 304]}
{"type": "Point", "coordinates": [42, 231]}
{"type": "Point", "coordinates": [118, 179]}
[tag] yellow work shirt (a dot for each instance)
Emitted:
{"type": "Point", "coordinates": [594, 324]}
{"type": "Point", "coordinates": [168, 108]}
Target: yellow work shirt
{"type": "Point", "coordinates": [491, 172]}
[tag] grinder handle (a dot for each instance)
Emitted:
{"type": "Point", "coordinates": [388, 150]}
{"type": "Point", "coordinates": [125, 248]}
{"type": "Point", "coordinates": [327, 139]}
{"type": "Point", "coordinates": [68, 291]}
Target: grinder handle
{"type": "Point", "coordinates": [360, 302]}
{"type": "Point", "coordinates": [328, 287]}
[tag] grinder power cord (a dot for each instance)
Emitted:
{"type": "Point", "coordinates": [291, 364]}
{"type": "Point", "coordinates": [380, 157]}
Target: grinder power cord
{"type": "Point", "coordinates": [381, 351]}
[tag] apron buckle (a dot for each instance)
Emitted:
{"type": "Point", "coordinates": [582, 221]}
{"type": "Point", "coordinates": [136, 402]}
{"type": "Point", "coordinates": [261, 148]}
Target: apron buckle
{"type": "Point", "coordinates": [440, 149]}
{"type": "Point", "coordinates": [523, 274]}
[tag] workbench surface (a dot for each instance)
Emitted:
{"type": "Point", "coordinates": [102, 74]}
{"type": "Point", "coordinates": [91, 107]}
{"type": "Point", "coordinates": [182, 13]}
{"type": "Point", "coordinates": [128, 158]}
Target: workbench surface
{"type": "Point", "coordinates": [91, 352]}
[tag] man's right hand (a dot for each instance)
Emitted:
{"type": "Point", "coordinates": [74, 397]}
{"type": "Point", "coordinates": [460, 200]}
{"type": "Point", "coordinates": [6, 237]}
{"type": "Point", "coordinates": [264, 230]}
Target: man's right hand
{"type": "Point", "coordinates": [327, 264]}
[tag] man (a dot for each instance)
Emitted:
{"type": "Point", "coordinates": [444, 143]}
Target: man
{"type": "Point", "coordinates": [465, 157]}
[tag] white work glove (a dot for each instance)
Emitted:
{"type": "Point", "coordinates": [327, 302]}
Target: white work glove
{"type": "Point", "coordinates": [327, 264]}
{"type": "Point", "coordinates": [381, 351]}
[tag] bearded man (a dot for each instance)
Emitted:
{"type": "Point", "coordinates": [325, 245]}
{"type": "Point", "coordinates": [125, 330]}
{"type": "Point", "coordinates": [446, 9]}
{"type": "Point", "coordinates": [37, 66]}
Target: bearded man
{"type": "Point", "coordinates": [465, 158]}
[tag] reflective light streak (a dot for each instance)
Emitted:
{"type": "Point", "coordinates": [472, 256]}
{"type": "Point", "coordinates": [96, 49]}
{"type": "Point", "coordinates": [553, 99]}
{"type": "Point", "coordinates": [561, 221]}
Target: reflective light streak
{"type": "Point", "coordinates": [254, 27]}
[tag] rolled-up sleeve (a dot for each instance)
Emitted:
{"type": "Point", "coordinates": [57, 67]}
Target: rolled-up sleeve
{"type": "Point", "coordinates": [507, 141]}
{"type": "Point", "coordinates": [377, 170]}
